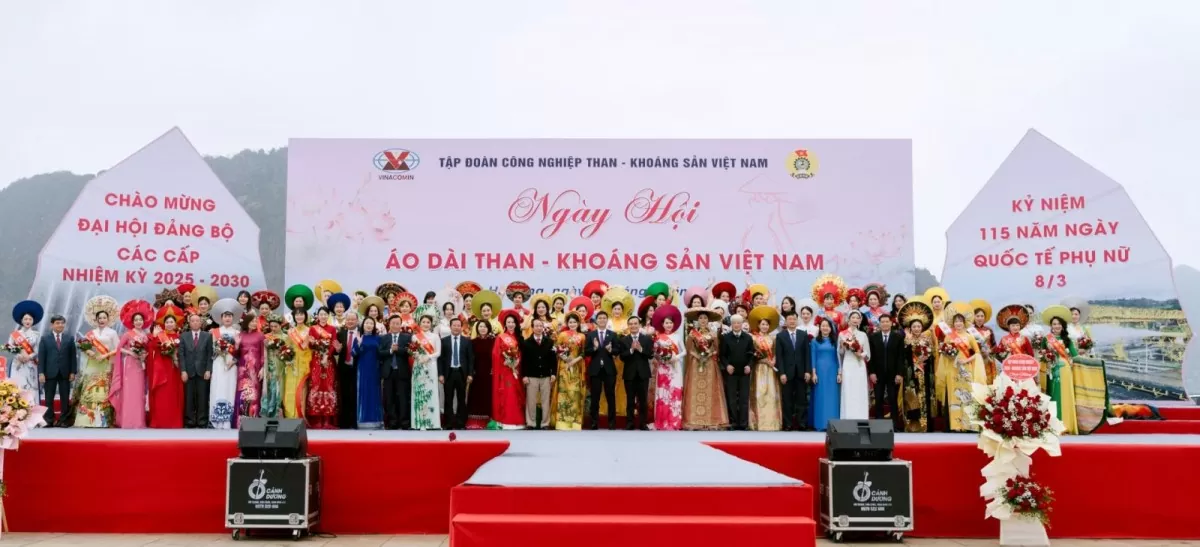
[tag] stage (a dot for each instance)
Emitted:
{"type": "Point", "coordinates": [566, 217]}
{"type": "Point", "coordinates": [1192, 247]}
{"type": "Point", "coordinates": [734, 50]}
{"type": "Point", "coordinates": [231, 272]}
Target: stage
{"type": "Point", "coordinates": [492, 482]}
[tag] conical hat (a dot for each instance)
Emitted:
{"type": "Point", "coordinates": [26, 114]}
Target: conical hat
{"type": "Point", "coordinates": [1081, 304]}
{"type": "Point", "coordinates": [618, 294]}
{"type": "Point", "coordinates": [764, 312]}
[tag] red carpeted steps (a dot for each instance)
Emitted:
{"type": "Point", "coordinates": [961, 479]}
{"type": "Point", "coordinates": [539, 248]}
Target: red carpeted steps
{"type": "Point", "coordinates": [1177, 420]}
{"type": "Point", "coordinates": [631, 516]}
{"type": "Point", "coordinates": [1191, 413]}
{"type": "Point", "coordinates": [491, 530]}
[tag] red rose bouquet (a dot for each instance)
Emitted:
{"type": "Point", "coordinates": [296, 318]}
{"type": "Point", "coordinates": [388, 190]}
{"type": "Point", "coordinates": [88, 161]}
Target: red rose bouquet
{"type": "Point", "coordinates": [1015, 413]}
{"type": "Point", "coordinates": [1085, 343]}
{"type": "Point", "coordinates": [948, 349]}
{"type": "Point", "coordinates": [1026, 498]}
{"type": "Point", "coordinates": [84, 344]}
{"type": "Point", "coordinates": [11, 348]}
{"type": "Point", "coordinates": [168, 346]}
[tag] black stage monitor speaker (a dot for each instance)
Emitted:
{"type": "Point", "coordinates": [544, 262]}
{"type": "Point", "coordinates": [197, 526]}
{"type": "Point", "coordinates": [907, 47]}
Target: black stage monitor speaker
{"type": "Point", "coordinates": [272, 439]}
{"type": "Point", "coordinates": [859, 440]}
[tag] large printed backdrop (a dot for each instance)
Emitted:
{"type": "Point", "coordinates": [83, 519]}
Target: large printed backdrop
{"type": "Point", "coordinates": [557, 213]}
{"type": "Point", "coordinates": [1048, 226]}
{"type": "Point", "coordinates": [146, 223]}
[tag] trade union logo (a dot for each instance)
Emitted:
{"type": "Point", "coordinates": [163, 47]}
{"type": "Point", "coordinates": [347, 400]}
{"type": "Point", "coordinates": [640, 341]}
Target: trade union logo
{"type": "Point", "coordinates": [802, 164]}
{"type": "Point", "coordinates": [397, 159]}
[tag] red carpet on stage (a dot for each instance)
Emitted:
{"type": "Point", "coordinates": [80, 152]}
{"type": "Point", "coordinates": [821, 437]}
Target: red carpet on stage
{"type": "Point", "coordinates": [178, 486]}
{"type": "Point", "coordinates": [1100, 490]}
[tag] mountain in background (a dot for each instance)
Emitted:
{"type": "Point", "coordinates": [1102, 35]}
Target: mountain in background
{"type": "Point", "coordinates": [256, 178]}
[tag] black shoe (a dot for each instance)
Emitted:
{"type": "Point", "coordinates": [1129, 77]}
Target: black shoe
{"type": "Point", "coordinates": [643, 428]}
{"type": "Point", "coordinates": [593, 427]}
{"type": "Point", "coordinates": [612, 427]}
{"type": "Point", "coordinates": [629, 426]}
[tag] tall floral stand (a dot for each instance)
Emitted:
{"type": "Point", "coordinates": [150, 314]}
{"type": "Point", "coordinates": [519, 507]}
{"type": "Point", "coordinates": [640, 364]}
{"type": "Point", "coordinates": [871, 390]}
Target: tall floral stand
{"type": "Point", "coordinates": [1015, 420]}
{"type": "Point", "coordinates": [19, 413]}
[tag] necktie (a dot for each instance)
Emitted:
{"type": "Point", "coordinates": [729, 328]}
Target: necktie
{"type": "Point", "coordinates": [885, 336]}
{"type": "Point", "coordinates": [350, 344]}
{"type": "Point", "coordinates": [602, 338]}
{"type": "Point", "coordinates": [195, 338]}
{"type": "Point", "coordinates": [793, 339]}
{"type": "Point", "coordinates": [454, 352]}
{"type": "Point", "coordinates": [58, 340]}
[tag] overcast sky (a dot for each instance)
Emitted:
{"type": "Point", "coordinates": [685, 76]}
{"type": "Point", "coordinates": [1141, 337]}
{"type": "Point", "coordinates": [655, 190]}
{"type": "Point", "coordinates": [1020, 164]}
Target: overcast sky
{"type": "Point", "coordinates": [85, 84]}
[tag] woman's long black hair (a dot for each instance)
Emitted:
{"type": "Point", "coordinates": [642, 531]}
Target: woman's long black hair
{"type": "Point", "coordinates": [1062, 334]}
{"type": "Point", "coordinates": [832, 329]}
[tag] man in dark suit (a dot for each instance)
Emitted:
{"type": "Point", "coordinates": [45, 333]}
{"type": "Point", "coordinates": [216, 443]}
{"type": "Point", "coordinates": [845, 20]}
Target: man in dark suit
{"type": "Point", "coordinates": [737, 353]}
{"type": "Point", "coordinates": [58, 362]}
{"type": "Point", "coordinates": [195, 365]}
{"type": "Point", "coordinates": [396, 375]}
{"type": "Point", "coordinates": [538, 368]}
{"type": "Point", "coordinates": [793, 364]}
{"type": "Point", "coordinates": [600, 345]}
{"type": "Point", "coordinates": [347, 372]}
{"type": "Point", "coordinates": [636, 350]}
{"type": "Point", "coordinates": [456, 369]}
{"type": "Point", "coordinates": [886, 368]}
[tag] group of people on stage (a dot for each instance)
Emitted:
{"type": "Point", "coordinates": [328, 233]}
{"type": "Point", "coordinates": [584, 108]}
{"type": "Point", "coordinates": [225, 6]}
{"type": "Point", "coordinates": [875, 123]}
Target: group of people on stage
{"type": "Point", "coordinates": [706, 358]}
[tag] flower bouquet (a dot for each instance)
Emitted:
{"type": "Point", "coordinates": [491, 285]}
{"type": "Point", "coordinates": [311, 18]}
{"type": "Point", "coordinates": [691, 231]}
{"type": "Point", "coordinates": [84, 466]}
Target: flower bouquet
{"type": "Point", "coordinates": [920, 349]}
{"type": "Point", "coordinates": [1023, 497]}
{"type": "Point", "coordinates": [948, 349]}
{"type": "Point", "coordinates": [665, 350]}
{"type": "Point", "coordinates": [851, 343]}
{"type": "Point", "coordinates": [512, 359]}
{"type": "Point", "coordinates": [999, 352]}
{"type": "Point", "coordinates": [1041, 349]}
{"type": "Point", "coordinates": [1015, 420]}
{"type": "Point", "coordinates": [169, 347]}
{"type": "Point", "coordinates": [19, 412]}
{"type": "Point", "coordinates": [137, 346]}
{"type": "Point", "coordinates": [12, 348]}
{"type": "Point", "coordinates": [281, 348]}
{"type": "Point", "coordinates": [224, 347]}
{"type": "Point", "coordinates": [563, 351]}
{"type": "Point", "coordinates": [83, 343]}
{"type": "Point", "coordinates": [1015, 414]}
{"type": "Point", "coordinates": [320, 345]}
{"type": "Point", "coordinates": [1085, 344]}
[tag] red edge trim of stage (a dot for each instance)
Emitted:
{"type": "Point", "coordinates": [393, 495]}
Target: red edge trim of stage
{"type": "Point", "coordinates": [178, 486]}
{"type": "Point", "coordinates": [1101, 490]}
{"type": "Point", "coordinates": [403, 487]}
